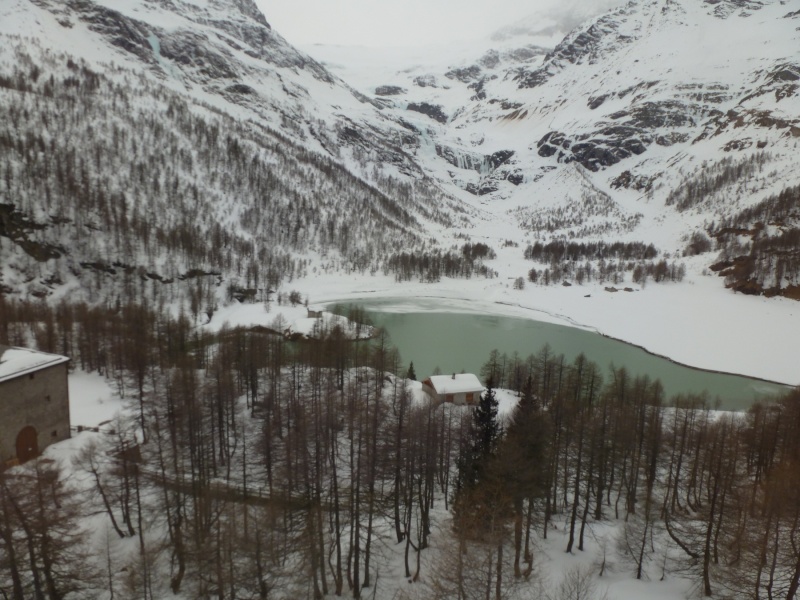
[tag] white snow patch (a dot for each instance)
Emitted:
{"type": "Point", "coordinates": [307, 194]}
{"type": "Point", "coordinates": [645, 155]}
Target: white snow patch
{"type": "Point", "coordinates": [91, 400]}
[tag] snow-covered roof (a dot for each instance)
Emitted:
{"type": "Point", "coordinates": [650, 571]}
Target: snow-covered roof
{"type": "Point", "coordinates": [15, 362]}
{"type": "Point", "coordinates": [456, 384]}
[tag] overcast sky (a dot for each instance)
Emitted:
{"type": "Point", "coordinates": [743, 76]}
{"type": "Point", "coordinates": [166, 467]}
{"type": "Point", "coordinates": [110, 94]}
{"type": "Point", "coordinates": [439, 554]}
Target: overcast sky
{"type": "Point", "coordinates": [408, 22]}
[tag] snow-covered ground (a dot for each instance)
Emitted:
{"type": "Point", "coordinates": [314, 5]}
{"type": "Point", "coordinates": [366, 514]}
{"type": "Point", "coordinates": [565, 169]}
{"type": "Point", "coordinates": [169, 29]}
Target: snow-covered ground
{"type": "Point", "coordinates": [92, 400]}
{"type": "Point", "coordinates": [289, 320]}
{"type": "Point", "coordinates": [697, 322]}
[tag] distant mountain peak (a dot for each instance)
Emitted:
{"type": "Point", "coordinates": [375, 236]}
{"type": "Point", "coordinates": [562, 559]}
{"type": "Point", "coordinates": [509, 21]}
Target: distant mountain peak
{"type": "Point", "coordinates": [247, 7]}
{"type": "Point", "coordinates": [725, 8]}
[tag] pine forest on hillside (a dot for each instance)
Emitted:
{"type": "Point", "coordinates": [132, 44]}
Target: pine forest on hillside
{"type": "Point", "coordinates": [195, 195]}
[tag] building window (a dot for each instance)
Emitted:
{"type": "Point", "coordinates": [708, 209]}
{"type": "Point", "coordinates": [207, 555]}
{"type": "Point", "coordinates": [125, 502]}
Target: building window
{"type": "Point", "coordinates": [30, 376]}
{"type": "Point", "coordinates": [47, 398]}
{"type": "Point", "coordinates": [54, 434]}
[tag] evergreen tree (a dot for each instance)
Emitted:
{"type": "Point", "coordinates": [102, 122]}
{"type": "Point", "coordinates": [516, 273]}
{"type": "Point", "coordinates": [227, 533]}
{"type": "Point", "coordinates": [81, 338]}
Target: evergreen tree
{"type": "Point", "coordinates": [486, 430]}
{"type": "Point", "coordinates": [522, 461]}
{"type": "Point", "coordinates": [475, 469]}
{"type": "Point", "coordinates": [411, 374]}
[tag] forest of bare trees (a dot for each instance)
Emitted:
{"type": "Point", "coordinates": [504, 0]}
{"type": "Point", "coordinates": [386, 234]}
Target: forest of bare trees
{"type": "Point", "coordinates": [585, 262]}
{"type": "Point", "coordinates": [161, 201]}
{"type": "Point", "coordinates": [246, 466]}
{"type": "Point", "coordinates": [716, 178]}
{"type": "Point", "coordinates": [760, 247]}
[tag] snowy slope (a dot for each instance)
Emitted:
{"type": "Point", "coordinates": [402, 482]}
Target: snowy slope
{"type": "Point", "coordinates": [642, 99]}
{"type": "Point", "coordinates": [158, 107]}
{"type": "Point", "coordinates": [526, 129]}
{"type": "Point", "coordinates": [223, 53]}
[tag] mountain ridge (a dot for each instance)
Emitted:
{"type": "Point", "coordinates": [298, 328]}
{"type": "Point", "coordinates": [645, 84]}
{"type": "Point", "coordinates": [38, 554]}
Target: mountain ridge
{"type": "Point", "coordinates": [595, 137]}
{"type": "Point", "coordinates": [135, 136]}
{"type": "Point", "coordinates": [640, 97]}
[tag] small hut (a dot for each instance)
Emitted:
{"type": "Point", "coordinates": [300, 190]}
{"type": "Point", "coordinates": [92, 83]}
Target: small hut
{"type": "Point", "coordinates": [462, 388]}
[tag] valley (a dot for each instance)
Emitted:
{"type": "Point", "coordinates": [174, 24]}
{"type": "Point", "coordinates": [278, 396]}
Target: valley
{"type": "Point", "coordinates": [182, 191]}
{"type": "Point", "coordinates": [670, 157]}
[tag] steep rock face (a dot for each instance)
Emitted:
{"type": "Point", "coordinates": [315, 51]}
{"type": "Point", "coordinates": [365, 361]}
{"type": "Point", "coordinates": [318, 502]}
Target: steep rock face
{"type": "Point", "coordinates": [691, 96]}
{"type": "Point", "coordinates": [126, 34]}
{"type": "Point", "coordinates": [762, 107]}
{"type": "Point", "coordinates": [192, 53]}
{"type": "Point", "coordinates": [593, 43]}
{"type": "Point", "coordinates": [249, 9]}
{"type": "Point", "coordinates": [582, 45]}
{"type": "Point", "coordinates": [464, 74]}
{"type": "Point", "coordinates": [389, 90]}
{"type": "Point", "coordinates": [434, 111]}
{"type": "Point", "coordinates": [473, 161]}
{"type": "Point", "coordinates": [626, 133]}
{"type": "Point", "coordinates": [235, 24]}
{"type": "Point", "coordinates": [725, 8]}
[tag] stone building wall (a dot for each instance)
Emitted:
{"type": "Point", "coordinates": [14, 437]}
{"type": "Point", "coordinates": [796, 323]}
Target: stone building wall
{"type": "Point", "coordinates": [40, 400]}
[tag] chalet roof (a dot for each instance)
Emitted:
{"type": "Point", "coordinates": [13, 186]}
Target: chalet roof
{"type": "Point", "coordinates": [15, 362]}
{"type": "Point", "coordinates": [462, 382]}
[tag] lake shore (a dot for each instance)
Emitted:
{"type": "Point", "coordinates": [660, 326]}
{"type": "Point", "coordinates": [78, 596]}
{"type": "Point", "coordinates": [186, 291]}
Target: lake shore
{"type": "Point", "coordinates": [697, 323]}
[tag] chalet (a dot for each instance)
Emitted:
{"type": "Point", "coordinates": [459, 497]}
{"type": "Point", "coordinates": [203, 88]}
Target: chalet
{"type": "Point", "coordinates": [34, 403]}
{"type": "Point", "coordinates": [463, 388]}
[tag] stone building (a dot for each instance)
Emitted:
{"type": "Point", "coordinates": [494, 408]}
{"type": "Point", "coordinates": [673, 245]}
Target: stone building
{"type": "Point", "coordinates": [34, 403]}
{"type": "Point", "coordinates": [462, 388]}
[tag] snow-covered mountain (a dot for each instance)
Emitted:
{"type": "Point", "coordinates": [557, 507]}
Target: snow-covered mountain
{"type": "Point", "coordinates": [656, 121]}
{"type": "Point", "coordinates": [166, 141]}
{"type": "Point", "coordinates": [220, 52]}
{"type": "Point", "coordinates": [162, 140]}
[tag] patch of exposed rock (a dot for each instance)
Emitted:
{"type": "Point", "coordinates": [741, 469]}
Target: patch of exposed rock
{"type": "Point", "coordinates": [389, 90]}
{"type": "Point", "coordinates": [434, 111]}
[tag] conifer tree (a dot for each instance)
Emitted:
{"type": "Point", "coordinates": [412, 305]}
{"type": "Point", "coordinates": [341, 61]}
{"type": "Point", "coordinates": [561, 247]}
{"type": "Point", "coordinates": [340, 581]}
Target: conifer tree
{"type": "Point", "coordinates": [411, 374]}
{"type": "Point", "coordinates": [481, 442]}
{"type": "Point", "coordinates": [474, 462]}
{"type": "Point", "coordinates": [486, 430]}
{"type": "Point", "coordinates": [522, 463]}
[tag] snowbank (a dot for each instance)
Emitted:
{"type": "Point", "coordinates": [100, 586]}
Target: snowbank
{"type": "Point", "coordinates": [91, 400]}
{"type": "Point", "coordinates": [291, 321]}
